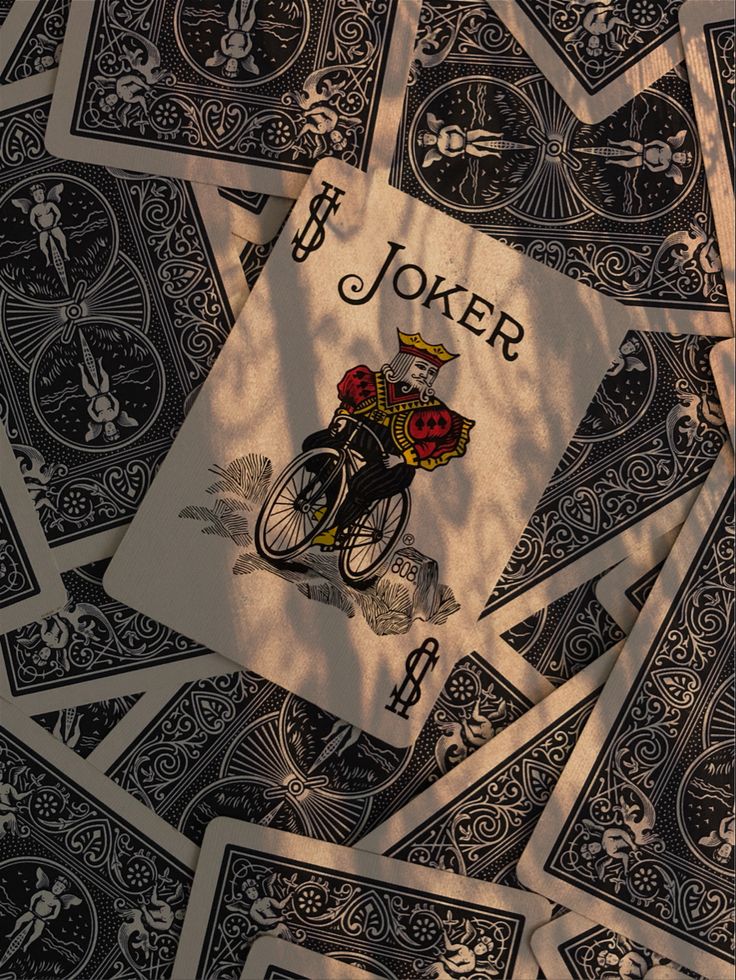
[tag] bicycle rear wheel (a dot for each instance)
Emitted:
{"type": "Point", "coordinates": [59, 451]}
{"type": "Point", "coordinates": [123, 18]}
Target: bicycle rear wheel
{"type": "Point", "coordinates": [371, 539]}
{"type": "Point", "coordinates": [302, 502]}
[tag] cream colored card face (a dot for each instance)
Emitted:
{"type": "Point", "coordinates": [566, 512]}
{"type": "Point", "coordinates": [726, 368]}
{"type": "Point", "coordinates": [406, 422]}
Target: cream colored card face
{"type": "Point", "coordinates": [573, 948]}
{"type": "Point", "coordinates": [276, 959]}
{"type": "Point", "coordinates": [707, 29]}
{"type": "Point", "coordinates": [625, 589]}
{"type": "Point", "coordinates": [240, 93]}
{"type": "Point", "coordinates": [640, 826]}
{"type": "Point", "coordinates": [93, 884]}
{"type": "Point", "coordinates": [115, 302]}
{"type": "Point", "coordinates": [30, 584]}
{"type": "Point", "coordinates": [253, 217]}
{"type": "Point", "coordinates": [477, 819]}
{"type": "Point", "coordinates": [723, 365]}
{"type": "Point", "coordinates": [598, 55]}
{"type": "Point", "coordinates": [355, 470]}
{"type": "Point", "coordinates": [394, 920]}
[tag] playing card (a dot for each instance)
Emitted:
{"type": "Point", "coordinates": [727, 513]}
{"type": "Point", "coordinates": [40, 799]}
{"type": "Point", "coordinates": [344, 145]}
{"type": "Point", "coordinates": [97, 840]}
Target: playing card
{"type": "Point", "coordinates": [253, 258]}
{"type": "Point", "coordinates": [707, 29]}
{"type": "Point", "coordinates": [598, 54]}
{"type": "Point", "coordinates": [573, 948]}
{"type": "Point", "coordinates": [276, 959]}
{"type": "Point", "coordinates": [239, 93]}
{"type": "Point", "coordinates": [89, 647]}
{"type": "Point", "coordinates": [5, 6]}
{"type": "Point", "coordinates": [237, 745]}
{"type": "Point", "coordinates": [639, 829]}
{"type": "Point", "coordinates": [564, 637]}
{"type": "Point", "coordinates": [630, 474]}
{"type": "Point", "coordinates": [393, 919]}
{"type": "Point", "coordinates": [621, 205]}
{"type": "Point", "coordinates": [92, 884]}
{"type": "Point", "coordinates": [31, 39]}
{"type": "Point", "coordinates": [30, 584]}
{"type": "Point", "coordinates": [115, 305]}
{"type": "Point", "coordinates": [289, 518]}
{"type": "Point", "coordinates": [84, 726]}
{"type": "Point", "coordinates": [723, 365]}
{"type": "Point", "coordinates": [624, 590]}
{"type": "Point", "coordinates": [477, 819]}
{"type": "Point", "coordinates": [253, 217]}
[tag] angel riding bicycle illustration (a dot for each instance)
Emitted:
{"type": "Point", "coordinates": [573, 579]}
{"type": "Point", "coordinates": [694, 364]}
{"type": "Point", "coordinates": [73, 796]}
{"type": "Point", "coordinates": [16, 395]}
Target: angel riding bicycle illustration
{"type": "Point", "coordinates": [348, 490]}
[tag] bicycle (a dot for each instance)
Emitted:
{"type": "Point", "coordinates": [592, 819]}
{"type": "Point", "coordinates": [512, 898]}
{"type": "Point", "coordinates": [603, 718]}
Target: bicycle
{"type": "Point", "coordinates": [305, 499]}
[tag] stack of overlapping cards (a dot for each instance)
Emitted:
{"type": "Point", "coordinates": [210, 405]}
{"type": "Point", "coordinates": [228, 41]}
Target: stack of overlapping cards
{"type": "Point", "coordinates": [366, 489]}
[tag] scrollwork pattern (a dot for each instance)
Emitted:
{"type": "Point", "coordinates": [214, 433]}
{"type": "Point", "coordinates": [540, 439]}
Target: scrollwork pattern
{"type": "Point", "coordinates": [564, 193]}
{"type": "Point", "coordinates": [152, 294]}
{"type": "Point", "coordinates": [482, 832]}
{"type": "Point", "coordinates": [653, 832]}
{"type": "Point", "coordinates": [117, 873]}
{"type": "Point", "coordinates": [720, 44]}
{"type": "Point", "coordinates": [599, 44]}
{"type": "Point", "coordinates": [38, 49]}
{"type": "Point", "coordinates": [567, 635]}
{"type": "Point", "coordinates": [302, 86]}
{"type": "Point", "coordinates": [404, 932]}
{"type": "Point", "coordinates": [91, 636]}
{"type": "Point", "coordinates": [17, 580]}
{"type": "Point", "coordinates": [600, 954]}
{"type": "Point", "coordinates": [238, 745]}
{"type": "Point", "coordinates": [606, 482]}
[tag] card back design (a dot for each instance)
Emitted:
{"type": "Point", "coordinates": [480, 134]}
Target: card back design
{"type": "Point", "coordinates": [276, 959]}
{"type": "Point", "coordinates": [5, 6]}
{"type": "Point", "coordinates": [18, 580]}
{"type": "Point", "coordinates": [90, 645]}
{"type": "Point", "coordinates": [104, 340]}
{"type": "Point", "coordinates": [600, 41]}
{"type": "Point", "coordinates": [477, 821]}
{"type": "Point", "coordinates": [648, 831]}
{"type": "Point", "coordinates": [83, 727]}
{"type": "Point", "coordinates": [253, 257]}
{"type": "Point", "coordinates": [239, 746]}
{"type": "Point", "coordinates": [720, 45]}
{"type": "Point", "coordinates": [259, 89]}
{"type": "Point", "coordinates": [621, 204]}
{"type": "Point", "coordinates": [482, 831]}
{"type": "Point", "coordinates": [651, 434]}
{"type": "Point", "coordinates": [248, 200]}
{"type": "Point", "coordinates": [32, 39]}
{"type": "Point", "coordinates": [350, 904]}
{"type": "Point", "coordinates": [566, 636]}
{"type": "Point", "coordinates": [707, 30]}
{"type": "Point", "coordinates": [573, 948]}
{"type": "Point", "coordinates": [85, 891]}
{"type": "Point", "coordinates": [30, 584]}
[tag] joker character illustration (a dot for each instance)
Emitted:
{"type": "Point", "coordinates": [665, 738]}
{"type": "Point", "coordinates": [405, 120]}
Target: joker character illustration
{"type": "Point", "coordinates": [348, 490]}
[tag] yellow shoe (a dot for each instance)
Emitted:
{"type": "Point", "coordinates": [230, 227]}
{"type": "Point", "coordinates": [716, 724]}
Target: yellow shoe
{"type": "Point", "coordinates": [326, 539]}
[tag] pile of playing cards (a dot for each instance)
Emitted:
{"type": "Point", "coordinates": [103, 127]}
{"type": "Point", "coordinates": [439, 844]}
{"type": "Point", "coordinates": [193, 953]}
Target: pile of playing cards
{"type": "Point", "coordinates": [367, 532]}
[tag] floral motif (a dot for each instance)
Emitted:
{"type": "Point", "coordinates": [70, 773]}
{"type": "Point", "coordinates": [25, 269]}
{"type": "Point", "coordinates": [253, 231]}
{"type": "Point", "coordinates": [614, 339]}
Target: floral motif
{"type": "Point", "coordinates": [657, 809]}
{"type": "Point", "coordinates": [17, 580]}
